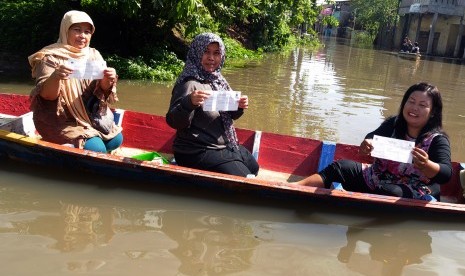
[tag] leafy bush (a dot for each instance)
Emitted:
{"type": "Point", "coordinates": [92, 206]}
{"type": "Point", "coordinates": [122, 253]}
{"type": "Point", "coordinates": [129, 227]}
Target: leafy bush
{"type": "Point", "coordinates": [26, 26]}
{"type": "Point", "coordinates": [124, 25]}
{"type": "Point", "coordinates": [363, 39]}
{"type": "Point", "coordinates": [158, 65]}
{"type": "Point", "coordinates": [237, 55]}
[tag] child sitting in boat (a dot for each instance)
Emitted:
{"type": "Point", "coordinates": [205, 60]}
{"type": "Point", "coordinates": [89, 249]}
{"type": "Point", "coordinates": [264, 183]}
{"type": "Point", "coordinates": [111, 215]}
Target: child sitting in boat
{"type": "Point", "coordinates": [419, 120]}
{"type": "Point", "coordinates": [415, 48]}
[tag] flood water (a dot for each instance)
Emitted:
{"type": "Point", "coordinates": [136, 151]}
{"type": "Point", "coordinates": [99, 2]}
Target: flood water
{"type": "Point", "coordinates": [64, 222]}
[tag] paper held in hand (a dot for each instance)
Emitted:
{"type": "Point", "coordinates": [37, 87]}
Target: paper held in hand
{"type": "Point", "coordinates": [222, 101]}
{"type": "Point", "coordinates": [86, 69]}
{"type": "Point", "coordinates": [392, 149]}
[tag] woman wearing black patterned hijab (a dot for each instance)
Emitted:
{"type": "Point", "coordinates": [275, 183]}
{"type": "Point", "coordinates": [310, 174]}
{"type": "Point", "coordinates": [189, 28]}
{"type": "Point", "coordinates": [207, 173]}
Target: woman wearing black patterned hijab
{"type": "Point", "coordinates": [206, 139]}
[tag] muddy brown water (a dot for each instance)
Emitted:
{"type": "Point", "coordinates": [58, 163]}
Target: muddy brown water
{"type": "Point", "coordinates": [55, 222]}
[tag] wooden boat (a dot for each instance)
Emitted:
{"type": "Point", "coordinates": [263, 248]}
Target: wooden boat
{"type": "Point", "coordinates": [408, 55]}
{"type": "Point", "coordinates": [282, 159]}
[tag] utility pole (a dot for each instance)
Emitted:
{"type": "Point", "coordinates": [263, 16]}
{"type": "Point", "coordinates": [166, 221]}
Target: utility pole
{"type": "Point", "coordinates": [394, 33]}
{"type": "Point", "coordinates": [355, 16]}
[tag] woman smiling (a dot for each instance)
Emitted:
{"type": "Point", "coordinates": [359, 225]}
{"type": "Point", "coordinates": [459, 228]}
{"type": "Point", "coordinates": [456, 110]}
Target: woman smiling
{"type": "Point", "coordinates": [59, 101]}
{"type": "Point", "coordinates": [419, 120]}
{"type": "Point", "coordinates": [207, 139]}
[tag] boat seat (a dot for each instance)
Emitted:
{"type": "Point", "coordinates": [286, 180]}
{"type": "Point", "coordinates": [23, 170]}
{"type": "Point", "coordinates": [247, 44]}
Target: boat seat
{"type": "Point", "coordinates": [23, 124]}
{"type": "Point", "coordinates": [462, 179]}
{"type": "Point", "coordinates": [328, 149]}
{"type": "Point", "coordinates": [118, 114]}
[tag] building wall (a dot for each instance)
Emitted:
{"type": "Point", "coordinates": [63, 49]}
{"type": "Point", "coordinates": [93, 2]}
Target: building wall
{"type": "Point", "coordinates": [446, 32]}
{"type": "Point", "coordinates": [446, 29]}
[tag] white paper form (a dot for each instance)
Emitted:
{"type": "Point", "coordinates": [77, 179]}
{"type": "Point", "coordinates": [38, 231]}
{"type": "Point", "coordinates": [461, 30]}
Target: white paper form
{"type": "Point", "coordinates": [392, 149]}
{"type": "Point", "coordinates": [86, 69]}
{"type": "Point", "coordinates": [222, 101]}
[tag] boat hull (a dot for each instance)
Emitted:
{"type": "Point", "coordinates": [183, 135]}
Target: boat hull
{"type": "Point", "coordinates": [407, 55]}
{"type": "Point", "coordinates": [287, 155]}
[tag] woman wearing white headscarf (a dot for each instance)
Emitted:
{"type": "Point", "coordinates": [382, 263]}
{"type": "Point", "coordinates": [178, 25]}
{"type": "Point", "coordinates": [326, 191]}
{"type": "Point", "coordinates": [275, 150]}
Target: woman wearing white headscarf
{"type": "Point", "coordinates": [206, 139]}
{"type": "Point", "coordinates": [58, 101]}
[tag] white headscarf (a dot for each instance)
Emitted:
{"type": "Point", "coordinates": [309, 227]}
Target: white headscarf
{"type": "Point", "coordinates": [62, 48]}
{"type": "Point", "coordinates": [70, 88]}
{"type": "Point", "coordinates": [70, 18]}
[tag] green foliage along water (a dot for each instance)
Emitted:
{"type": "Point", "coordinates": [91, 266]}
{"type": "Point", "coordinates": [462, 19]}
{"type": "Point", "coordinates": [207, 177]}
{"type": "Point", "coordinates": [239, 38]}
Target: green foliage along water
{"type": "Point", "coordinates": [148, 39]}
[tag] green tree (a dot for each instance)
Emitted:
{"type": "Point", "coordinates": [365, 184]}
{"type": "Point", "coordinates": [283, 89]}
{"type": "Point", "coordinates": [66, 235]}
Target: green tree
{"type": "Point", "coordinates": [140, 32]}
{"type": "Point", "coordinates": [132, 23]}
{"type": "Point", "coordinates": [374, 15]}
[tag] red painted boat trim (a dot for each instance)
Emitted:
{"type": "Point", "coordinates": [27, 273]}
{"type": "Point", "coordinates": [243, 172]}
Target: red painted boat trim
{"type": "Point", "coordinates": [294, 155]}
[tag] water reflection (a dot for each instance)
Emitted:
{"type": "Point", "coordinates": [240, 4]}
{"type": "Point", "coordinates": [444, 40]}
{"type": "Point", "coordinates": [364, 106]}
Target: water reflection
{"type": "Point", "coordinates": [205, 243]}
{"type": "Point", "coordinates": [82, 229]}
{"type": "Point", "coordinates": [84, 225]}
{"type": "Point", "coordinates": [202, 243]}
{"type": "Point", "coordinates": [210, 244]}
{"type": "Point", "coordinates": [384, 251]}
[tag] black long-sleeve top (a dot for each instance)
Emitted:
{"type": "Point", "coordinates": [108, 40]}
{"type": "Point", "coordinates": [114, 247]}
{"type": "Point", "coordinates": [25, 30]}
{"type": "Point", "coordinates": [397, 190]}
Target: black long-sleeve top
{"type": "Point", "coordinates": [196, 129]}
{"type": "Point", "coordinates": [438, 152]}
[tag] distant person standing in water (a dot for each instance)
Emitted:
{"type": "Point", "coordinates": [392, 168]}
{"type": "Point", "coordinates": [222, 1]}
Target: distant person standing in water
{"type": "Point", "coordinates": [415, 48]}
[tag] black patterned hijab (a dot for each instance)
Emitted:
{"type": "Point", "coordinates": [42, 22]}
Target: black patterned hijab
{"type": "Point", "coordinates": [194, 69]}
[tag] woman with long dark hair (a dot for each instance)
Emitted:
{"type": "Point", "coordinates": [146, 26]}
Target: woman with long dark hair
{"type": "Point", "coordinates": [419, 120]}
